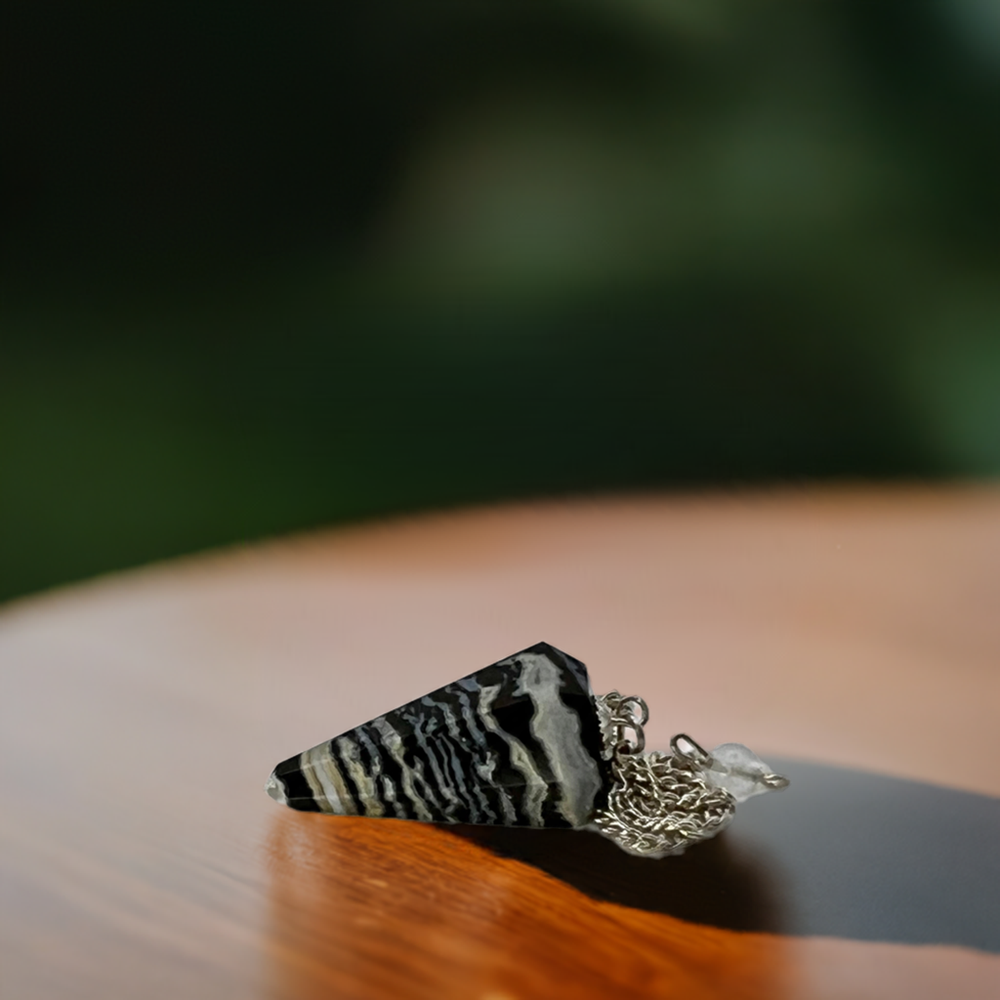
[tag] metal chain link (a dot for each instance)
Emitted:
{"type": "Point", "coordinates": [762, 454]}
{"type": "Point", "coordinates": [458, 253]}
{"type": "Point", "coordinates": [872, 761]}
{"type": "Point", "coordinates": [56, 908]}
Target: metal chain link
{"type": "Point", "coordinates": [658, 803]}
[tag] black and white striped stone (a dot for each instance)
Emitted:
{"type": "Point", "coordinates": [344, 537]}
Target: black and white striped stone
{"type": "Point", "coordinates": [517, 743]}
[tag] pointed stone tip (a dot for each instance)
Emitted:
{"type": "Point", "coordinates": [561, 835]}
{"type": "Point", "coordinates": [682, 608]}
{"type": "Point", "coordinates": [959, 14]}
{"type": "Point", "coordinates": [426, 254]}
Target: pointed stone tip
{"type": "Point", "coordinates": [276, 789]}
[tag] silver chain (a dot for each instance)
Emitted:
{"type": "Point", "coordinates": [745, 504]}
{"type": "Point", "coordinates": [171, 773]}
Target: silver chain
{"type": "Point", "coordinates": [658, 803]}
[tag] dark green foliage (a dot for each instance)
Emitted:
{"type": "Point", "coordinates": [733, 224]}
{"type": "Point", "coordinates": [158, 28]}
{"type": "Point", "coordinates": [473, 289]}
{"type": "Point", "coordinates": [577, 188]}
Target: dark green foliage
{"type": "Point", "coordinates": [272, 267]}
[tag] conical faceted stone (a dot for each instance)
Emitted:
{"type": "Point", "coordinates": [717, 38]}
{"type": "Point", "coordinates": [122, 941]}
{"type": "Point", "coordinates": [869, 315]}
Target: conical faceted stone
{"type": "Point", "coordinates": [517, 743]}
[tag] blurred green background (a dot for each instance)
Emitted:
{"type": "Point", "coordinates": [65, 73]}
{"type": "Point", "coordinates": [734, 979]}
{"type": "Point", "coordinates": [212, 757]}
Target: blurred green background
{"type": "Point", "coordinates": [268, 266]}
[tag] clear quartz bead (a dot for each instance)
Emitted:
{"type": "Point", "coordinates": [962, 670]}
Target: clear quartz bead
{"type": "Point", "coordinates": [741, 772]}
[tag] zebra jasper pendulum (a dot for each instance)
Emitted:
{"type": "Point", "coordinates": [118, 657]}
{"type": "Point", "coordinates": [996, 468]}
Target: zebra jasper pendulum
{"type": "Point", "coordinates": [524, 742]}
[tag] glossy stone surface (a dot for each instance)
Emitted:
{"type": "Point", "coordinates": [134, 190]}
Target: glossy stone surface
{"type": "Point", "coordinates": [516, 743]}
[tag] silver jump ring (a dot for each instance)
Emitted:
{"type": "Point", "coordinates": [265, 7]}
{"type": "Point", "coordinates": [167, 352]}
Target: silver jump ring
{"type": "Point", "coordinates": [628, 715]}
{"type": "Point", "coordinates": [684, 746]}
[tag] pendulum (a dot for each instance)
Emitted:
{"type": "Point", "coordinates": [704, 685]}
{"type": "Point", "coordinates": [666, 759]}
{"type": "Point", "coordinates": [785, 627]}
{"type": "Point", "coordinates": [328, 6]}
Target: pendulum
{"type": "Point", "coordinates": [524, 742]}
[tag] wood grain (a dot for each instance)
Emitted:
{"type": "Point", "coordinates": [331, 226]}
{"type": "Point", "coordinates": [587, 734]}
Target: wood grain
{"type": "Point", "coordinates": [140, 715]}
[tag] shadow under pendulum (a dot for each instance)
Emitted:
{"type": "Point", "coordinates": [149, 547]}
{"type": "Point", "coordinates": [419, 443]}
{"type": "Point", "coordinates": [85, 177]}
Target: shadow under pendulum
{"type": "Point", "coordinates": [842, 854]}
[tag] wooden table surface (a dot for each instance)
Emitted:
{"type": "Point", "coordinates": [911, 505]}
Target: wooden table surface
{"type": "Point", "coordinates": [140, 715]}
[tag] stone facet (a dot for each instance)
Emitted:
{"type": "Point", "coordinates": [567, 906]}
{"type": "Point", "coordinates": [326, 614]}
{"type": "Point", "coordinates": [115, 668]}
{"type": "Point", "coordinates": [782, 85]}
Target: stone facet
{"type": "Point", "coordinates": [517, 743]}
